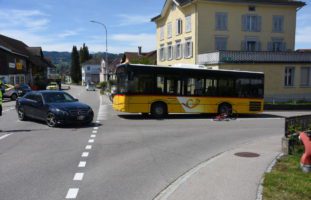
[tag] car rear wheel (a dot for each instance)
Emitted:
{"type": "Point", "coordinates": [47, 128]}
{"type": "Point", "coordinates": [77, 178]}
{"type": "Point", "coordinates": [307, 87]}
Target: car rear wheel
{"type": "Point", "coordinates": [21, 114]}
{"type": "Point", "coordinates": [13, 97]}
{"type": "Point", "coordinates": [51, 120]}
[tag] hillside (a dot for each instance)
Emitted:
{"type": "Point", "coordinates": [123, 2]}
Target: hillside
{"type": "Point", "coordinates": [62, 60]}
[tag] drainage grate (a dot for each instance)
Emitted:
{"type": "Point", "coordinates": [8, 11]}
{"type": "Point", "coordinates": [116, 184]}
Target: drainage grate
{"type": "Point", "coordinates": [247, 154]}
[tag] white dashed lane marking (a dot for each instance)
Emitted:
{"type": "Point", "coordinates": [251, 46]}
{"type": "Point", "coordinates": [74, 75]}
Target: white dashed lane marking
{"type": "Point", "coordinates": [94, 132]}
{"type": "Point", "coordinates": [78, 177]}
{"type": "Point", "coordinates": [91, 141]}
{"type": "Point", "coordinates": [95, 128]}
{"type": "Point", "coordinates": [88, 147]}
{"type": "Point", "coordinates": [82, 164]}
{"type": "Point", "coordinates": [72, 193]}
{"type": "Point", "coordinates": [93, 136]}
{"type": "Point", "coordinates": [85, 154]}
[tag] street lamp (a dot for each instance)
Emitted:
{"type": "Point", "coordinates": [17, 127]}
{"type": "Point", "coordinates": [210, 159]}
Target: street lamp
{"type": "Point", "coordinates": [106, 70]}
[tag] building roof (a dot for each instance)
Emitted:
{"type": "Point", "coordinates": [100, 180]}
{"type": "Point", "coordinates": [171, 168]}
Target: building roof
{"type": "Point", "coordinates": [271, 2]}
{"type": "Point", "coordinates": [33, 54]}
{"type": "Point", "coordinates": [93, 61]}
{"type": "Point", "coordinates": [14, 46]}
{"type": "Point", "coordinates": [136, 56]}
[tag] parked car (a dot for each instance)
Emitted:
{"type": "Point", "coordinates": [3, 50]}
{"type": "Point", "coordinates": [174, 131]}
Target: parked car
{"type": "Point", "coordinates": [53, 107]}
{"type": "Point", "coordinates": [10, 92]}
{"type": "Point", "coordinates": [91, 87]}
{"type": "Point", "coordinates": [22, 89]}
{"type": "Point", "coordinates": [52, 86]}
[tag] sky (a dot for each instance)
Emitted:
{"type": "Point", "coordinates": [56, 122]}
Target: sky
{"type": "Point", "coordinates": [57, 25]}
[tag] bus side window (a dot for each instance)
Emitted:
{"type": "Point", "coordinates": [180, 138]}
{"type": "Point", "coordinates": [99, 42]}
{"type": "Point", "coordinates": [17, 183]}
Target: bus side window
{"type": "Point", "coordinates": [160, 85]}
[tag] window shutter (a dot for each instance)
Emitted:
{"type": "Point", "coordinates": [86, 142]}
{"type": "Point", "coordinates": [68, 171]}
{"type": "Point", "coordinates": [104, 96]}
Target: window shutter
{"type": "Point", "coordinates": [191, 49]}
{"type": "Point", "coordinates": [283, 46]}
{"type": "Point", "coordinates": [226, 22]}
{"type": "Point", "coordinates": [217, 24]}
{"type": "Point", "coordinates": [270, 46]}
{"type": "Point", "coordinates": [258, 25]}
{"type": "Point", "coordinates": [184, 49]}
{"type": "Point", "coordinates": [244, 23]}
{"type": "Point", "coordinates": [181, 50]}
{"type": "Point", "coordinates": [258, 46]}
{"type": "Point", "coordinates": [174, 51]}
{"type": "Point", "coordinates": [281, 24]}
{"type": "Point", "coordinates": [243, 45]}
{"type": "Point", "coordinates": [176, 28]}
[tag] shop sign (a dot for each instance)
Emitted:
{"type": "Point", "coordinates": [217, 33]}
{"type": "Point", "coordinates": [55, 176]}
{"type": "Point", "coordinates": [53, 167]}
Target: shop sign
{"type": "Point", "coordinates": [19, 66]}
{"type": "Point", "coordinates": [12, 65]}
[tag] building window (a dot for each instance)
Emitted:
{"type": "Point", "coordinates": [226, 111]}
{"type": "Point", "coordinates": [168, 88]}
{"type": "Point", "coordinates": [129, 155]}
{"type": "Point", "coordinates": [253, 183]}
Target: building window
{"type": "Point", "coordinates": [178, 50]}
{"type": "Point", "coordinates": [278, 24]}
{"type": "Point", "coordinates": [169, 51]}
{"type": "Point", "coordinates": [220, 43]}
{"type": "Point", "coordinates": [305, 79]}
{"type": "Point", "coordinates": [178, 26]}
{"type": "Point", "coordinates": [251, 45]}
{"type": "Point", "coordinates": [88, 68]}
{"type": "Point", "coordinates": [169, 30]}
{"type": "Point", "coordinates": [161, 33]}
{"type": "Point", "coordinates": [162, 52]}
{"type": "Point", "coordinates": [221, 21]}
{"type": "Point", "coordinates": [188, 48]}
{"type": "Point", "coordinates": [251, 23]}
{"type": "Point", "coordinates": [277, 44]}
{"type": "Point", "coordinates": [188, 24]}
{"type": "Point", "coordinates": [289, 76]}
{"type": "Point", "coordinates": [251, 8]}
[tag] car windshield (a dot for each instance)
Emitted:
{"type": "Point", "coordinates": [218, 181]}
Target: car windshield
{"type": "Point", "coordinates": [57, 97]}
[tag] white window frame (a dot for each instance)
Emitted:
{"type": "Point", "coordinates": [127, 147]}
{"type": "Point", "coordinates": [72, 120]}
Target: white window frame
{"type": "Point", "coordinates": [188, 48]}
{"type": "Point", "coordinates": [169, 51]}
{"type": "Point", "coordinates": [178, 50]}
{"type": "Point", "coordinates": [169, 30]}
{"type": "Point", "coordinates": [162, 33]}
{"type": "Point", "coordinates": [179, 28]}
{"type": "Point", "coordinates": [188, 24]}
{"type": "Point", "coordinates": [289, 77]}
{"type": "Point", "coordinates": [307, 72]}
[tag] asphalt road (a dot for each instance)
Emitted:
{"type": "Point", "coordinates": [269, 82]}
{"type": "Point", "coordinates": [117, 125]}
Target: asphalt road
{"type": "Point", "coordinates": [123, 156]}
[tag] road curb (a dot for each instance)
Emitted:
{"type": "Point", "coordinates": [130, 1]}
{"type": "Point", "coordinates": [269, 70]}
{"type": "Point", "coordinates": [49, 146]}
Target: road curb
{"type": "Point", "coordinates": [268, 170]}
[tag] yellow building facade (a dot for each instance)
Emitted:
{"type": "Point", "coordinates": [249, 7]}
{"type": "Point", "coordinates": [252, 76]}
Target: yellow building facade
{"type": "Point", "coordinates": [238, 35]}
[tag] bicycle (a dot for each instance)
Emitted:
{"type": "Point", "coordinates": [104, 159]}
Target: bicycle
{"type": "Point", "coordinates": [227, 116]}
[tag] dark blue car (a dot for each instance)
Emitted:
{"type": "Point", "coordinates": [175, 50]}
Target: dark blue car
{"type": "Point", "coordinates": [53, 107]}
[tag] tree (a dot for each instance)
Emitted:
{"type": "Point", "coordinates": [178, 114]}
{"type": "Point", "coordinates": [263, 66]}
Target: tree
{"type": "Point", "coordinates": [75, 70]}
{"type": "Point", "coordinates": [84, 54]}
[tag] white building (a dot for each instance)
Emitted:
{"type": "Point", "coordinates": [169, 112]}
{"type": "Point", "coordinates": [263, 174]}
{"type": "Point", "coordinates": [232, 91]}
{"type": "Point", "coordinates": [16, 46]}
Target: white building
{"type": "Point", "coordinates": [91, 71]}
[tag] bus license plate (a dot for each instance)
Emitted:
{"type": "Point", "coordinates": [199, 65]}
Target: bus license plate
{"type": "Point", "coordinates": [81, 117]}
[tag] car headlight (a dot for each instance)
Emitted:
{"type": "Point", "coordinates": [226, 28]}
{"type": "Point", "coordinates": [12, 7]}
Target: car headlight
{"type": "Point", "coordinates": [61, 111]}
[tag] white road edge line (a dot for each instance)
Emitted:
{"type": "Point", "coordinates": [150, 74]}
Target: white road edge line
{"type": "Point", "coordinates": [4, 136]}
{"type": "Point", "coordinates": [78, 177]}
{"type": "Point", "coordinates": [72, 193]}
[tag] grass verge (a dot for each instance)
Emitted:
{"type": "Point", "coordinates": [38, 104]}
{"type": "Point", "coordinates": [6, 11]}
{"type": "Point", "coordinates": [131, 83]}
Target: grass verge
{"type": "Point", "coordinates": [286, 181]}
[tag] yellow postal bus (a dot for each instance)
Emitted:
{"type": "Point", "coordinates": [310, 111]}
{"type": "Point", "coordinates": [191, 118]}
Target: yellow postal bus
{"type": "Point", "coordinates": [161, 90]}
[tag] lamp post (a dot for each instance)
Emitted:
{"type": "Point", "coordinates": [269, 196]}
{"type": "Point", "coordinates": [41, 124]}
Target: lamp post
{"type": "Point", "coordinates": [106, 62]}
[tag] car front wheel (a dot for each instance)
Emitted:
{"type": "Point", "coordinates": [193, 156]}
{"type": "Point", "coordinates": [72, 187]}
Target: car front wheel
{"type": "Point", "coordinates": [51, 120]}
{"type": "Point", "coordinates": [21, 114]}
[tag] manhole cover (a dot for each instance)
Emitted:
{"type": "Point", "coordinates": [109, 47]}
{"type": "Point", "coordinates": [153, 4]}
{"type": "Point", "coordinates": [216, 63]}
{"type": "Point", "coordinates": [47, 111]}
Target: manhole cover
{"type": "Point", "coordinates": [247, 154]}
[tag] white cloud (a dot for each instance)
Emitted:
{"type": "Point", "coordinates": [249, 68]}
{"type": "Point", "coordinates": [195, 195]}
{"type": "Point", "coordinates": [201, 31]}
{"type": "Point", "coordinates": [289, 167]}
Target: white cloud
{"type": "Point", "coordinates": [68, 33]}
{"type": "Point", "coordinates": [128, 20]}
{"type": "Point", "coordinates": [30, 19]}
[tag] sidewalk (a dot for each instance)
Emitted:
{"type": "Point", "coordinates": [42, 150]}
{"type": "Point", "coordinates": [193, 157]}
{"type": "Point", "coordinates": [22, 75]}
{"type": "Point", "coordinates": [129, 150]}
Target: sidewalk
{"type": "Point", "coordinates": [227, 176]}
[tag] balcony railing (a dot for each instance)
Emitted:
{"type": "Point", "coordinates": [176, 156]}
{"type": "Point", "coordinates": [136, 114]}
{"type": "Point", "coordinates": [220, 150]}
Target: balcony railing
{"type": "Point", "coordinates": [254, 57]}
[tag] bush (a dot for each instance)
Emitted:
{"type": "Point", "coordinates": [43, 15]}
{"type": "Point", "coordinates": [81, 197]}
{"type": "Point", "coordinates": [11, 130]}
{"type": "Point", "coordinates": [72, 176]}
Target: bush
{"type": "Point", "coordinates": [102, 85]}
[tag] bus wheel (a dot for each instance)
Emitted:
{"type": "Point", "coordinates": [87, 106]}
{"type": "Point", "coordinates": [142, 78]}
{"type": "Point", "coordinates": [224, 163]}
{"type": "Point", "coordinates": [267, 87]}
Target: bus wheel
{"type": "Point", "coordinates": [158, 110]}
{"type": "Point", "coordinates": [224, 108]}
